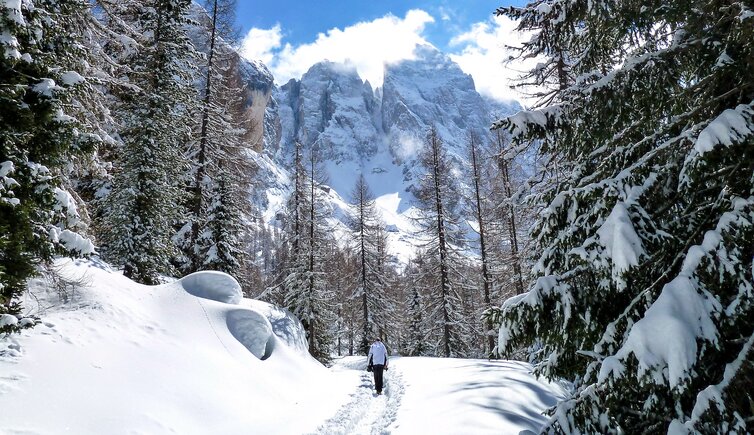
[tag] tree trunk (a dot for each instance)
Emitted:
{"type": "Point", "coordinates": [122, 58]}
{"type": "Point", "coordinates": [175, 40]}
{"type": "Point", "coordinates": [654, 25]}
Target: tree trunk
{"type": "Point", "coordinates": [482, 245]}
{"type": "Point", "coordinates": [202, 155]}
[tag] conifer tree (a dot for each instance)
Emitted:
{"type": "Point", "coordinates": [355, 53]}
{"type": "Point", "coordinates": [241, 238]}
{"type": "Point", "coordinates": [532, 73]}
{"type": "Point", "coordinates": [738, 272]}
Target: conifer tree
{"type": "Point", "coordinates": [226, 209]}
{"type": "Point", "coordinates": [145, 202]}
{"type": "Point", "coordinates": [39, 74]}
{"type": "Point", "coordinates": [415, 335]}
{"type": "Point", "coordinates": [439, 225]}
{"type": "Point", "coordinates": [369, 245]}
{"type": "Point", "coordinates": [304, 286]}
{"type": "Point", "coordinates": [220, 135]}
{"type": "Point", "coordinates": [644, 296]}
{"type": "Point", "coordinates": [481, 215]}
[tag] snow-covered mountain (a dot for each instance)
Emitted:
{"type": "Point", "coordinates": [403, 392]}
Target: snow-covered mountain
{"type": "Point", "coordinates": [362, 130]}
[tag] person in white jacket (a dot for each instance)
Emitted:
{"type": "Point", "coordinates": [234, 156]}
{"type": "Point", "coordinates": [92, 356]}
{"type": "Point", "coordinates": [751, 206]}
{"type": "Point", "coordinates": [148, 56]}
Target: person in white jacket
{"type": "Point", "coordinates": [377, 362]}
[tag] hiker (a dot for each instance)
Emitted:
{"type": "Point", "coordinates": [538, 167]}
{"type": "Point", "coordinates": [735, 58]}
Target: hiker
{"type": "Point", "coordinates": [377, 361]}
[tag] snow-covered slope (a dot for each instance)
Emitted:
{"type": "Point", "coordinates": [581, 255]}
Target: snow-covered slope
{"type": "Point", "coordinates": [188, 357]}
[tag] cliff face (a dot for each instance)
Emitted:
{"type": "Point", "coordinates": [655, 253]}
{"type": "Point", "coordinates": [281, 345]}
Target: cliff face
{"type": "Point", "coordinates": [361, 130]}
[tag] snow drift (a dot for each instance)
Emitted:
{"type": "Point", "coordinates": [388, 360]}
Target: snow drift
{"type": "Point", "coordinates": [188, 357]}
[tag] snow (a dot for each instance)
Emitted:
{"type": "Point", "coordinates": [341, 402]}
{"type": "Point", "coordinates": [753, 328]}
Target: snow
{"type": "Point", "coordinates": [121, 357]}
{"type": "Point", "coordinates": [7, 319]}
{"type": "Point", "coordinates": [215, 286]}
{"type": "Point", "coordinates": [623, 245]}
{"type": "Point", "coordinates": [13, 11]}
{"type": "Point", "coordinates": [45, 87]}
{"type": "Point", "coordinates": [127, 358]}
{"type": "Point", "coordinates": [72, 241]}
{"type": "Point", "coordinates": [253, 330]}
{"type": "Point", "coordinates": [456, 396]}
{"type": "Point", "coordinates": [70, 78]}
{"type": "Point", "coordinates": [444, 396]}
{"type": "Point", "coordinates": [730, 126]}
{"type": "Point", "coordinates": [6, 168]}
{"type": "Point", "coordinates": [10, 44]}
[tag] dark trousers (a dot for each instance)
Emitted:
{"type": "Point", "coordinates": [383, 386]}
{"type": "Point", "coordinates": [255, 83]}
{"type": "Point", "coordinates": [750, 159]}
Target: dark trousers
{"type": "Point", "coordinates": [378, 368]}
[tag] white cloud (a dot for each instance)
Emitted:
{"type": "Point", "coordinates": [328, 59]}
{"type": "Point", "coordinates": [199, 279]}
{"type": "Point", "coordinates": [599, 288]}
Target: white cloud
{"type": "Point", "coordinates": [483, 52]}
{"type": "Point", "coordinates": [259, 44]}
{"type": "Point", "coordinates": [365, 45]}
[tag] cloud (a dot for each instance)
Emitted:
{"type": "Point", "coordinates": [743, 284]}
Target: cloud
{"type": "Point", "coordinates": [259, 44]}
{"type": "Point", "coordinates": [483, 52]}
{"type": "Point", "coordinates": [365, 45]}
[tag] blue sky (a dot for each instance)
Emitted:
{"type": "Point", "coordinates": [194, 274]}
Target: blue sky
{"type": "Point", "coordinates": [291, 36]}
{"type": "Point", "coordinates": [303, 20]}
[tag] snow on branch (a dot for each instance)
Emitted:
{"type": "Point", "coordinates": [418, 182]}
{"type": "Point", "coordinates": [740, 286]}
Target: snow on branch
{"type": "Point", "coordinates": [665, 340]}
{"type": "Point", "coordinates": [623, 245]}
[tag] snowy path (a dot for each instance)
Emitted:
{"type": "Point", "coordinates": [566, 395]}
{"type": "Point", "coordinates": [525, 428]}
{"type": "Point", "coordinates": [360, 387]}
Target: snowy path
{"type": "Point", "coordinates": [366, 412]}
{"type": "Point", "coordinates": [442, 396]}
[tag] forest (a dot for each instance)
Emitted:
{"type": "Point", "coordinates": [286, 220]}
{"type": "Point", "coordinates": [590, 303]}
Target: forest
{"type": "Point", "coordinates": [605, 235]}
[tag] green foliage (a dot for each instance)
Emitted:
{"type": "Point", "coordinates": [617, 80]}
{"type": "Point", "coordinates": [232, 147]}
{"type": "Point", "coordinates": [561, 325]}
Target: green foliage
{"type": "Point", "coordinates": [644, 297]}
{"type": "Point", "coordinates": [145, 202]}
{"type": "Point", "coordinates": [37, 137]}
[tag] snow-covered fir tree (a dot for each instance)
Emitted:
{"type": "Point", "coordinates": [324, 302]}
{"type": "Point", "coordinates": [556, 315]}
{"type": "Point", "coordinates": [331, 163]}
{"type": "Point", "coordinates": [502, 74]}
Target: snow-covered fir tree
{"type": "Point", "coordinates": [146, 198]}
{"type": "Point", "coordinates": [221, 130]}
{"type": "Point", "coordinates": [40, 72]}
{"type": "Point", "coordinates": [303, 285]}
{"type": "Point", "coordinates": [220, 241]}
{"type": "Point", "coordinates": [414, 337]}
{"type": "Point", "coordinates": [644, 296]}
{"type": "Point", "coordinates": [439, 225]}
{"type": "Point", "coordinates": [369, 247]}
{"type": "Point", "coordinates": [223, 220]}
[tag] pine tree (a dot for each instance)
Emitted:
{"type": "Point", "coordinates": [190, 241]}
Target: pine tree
{"type": "Point", "coordinates": [145, 202]}
{"type": "Point", "coordinates": [644, 296]}
{"type": "Point", "coordinates": [439, 226]}
{"type": "Point", "coordinates": [220, 136]}
{"type": "Point", "coordinates": [369, 245]}
{"type": "Point", "coordinates": [39, 76]}
{"type": "Point", "coordinates": [304, 286]}
{"type": "Point", "coordinates": [415, 341]}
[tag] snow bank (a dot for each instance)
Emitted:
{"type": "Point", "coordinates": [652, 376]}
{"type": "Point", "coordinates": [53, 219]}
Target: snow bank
{"type": "Point", "coordinates": [460, 396]}
{"type": "Point", "coordinates": [285, 325]}
{"type": "Point", "coordinates": [216, 286]}
{"type": "Point", "coordinates": [253, 330]}
{"type": "Point", "coordinates": [127, 358]}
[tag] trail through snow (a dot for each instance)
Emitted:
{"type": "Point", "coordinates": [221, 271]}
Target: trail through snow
{"type": "Point", "coordinates": [366, 412]}
{"type": "Point", "coordinates": [442, 396]}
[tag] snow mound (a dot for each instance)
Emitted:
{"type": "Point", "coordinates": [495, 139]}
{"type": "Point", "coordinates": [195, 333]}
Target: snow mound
{"type": "Point", "coordinates": [216, 286]}
{"type": "Point", "coordinates": [253, 330]}
{"type": "Point", "coordinates": [286, 326]}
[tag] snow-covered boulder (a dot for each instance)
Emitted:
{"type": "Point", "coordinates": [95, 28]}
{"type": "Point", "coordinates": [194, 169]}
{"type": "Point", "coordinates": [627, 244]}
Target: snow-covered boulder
{"type": "Point", "coordinates": [253, 330]}
{"type": "Point", "coordinates": [216, 286]}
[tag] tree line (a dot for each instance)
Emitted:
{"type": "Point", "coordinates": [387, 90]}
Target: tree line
{"type": "Point", "coordinates": [348, 287]}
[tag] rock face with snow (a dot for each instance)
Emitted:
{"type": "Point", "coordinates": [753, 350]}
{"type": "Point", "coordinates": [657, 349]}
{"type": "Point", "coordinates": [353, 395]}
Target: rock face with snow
{"type": "Point", "coordinates": [331, 106]}
{"type": "Point", "coordinates": [361, 130]}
